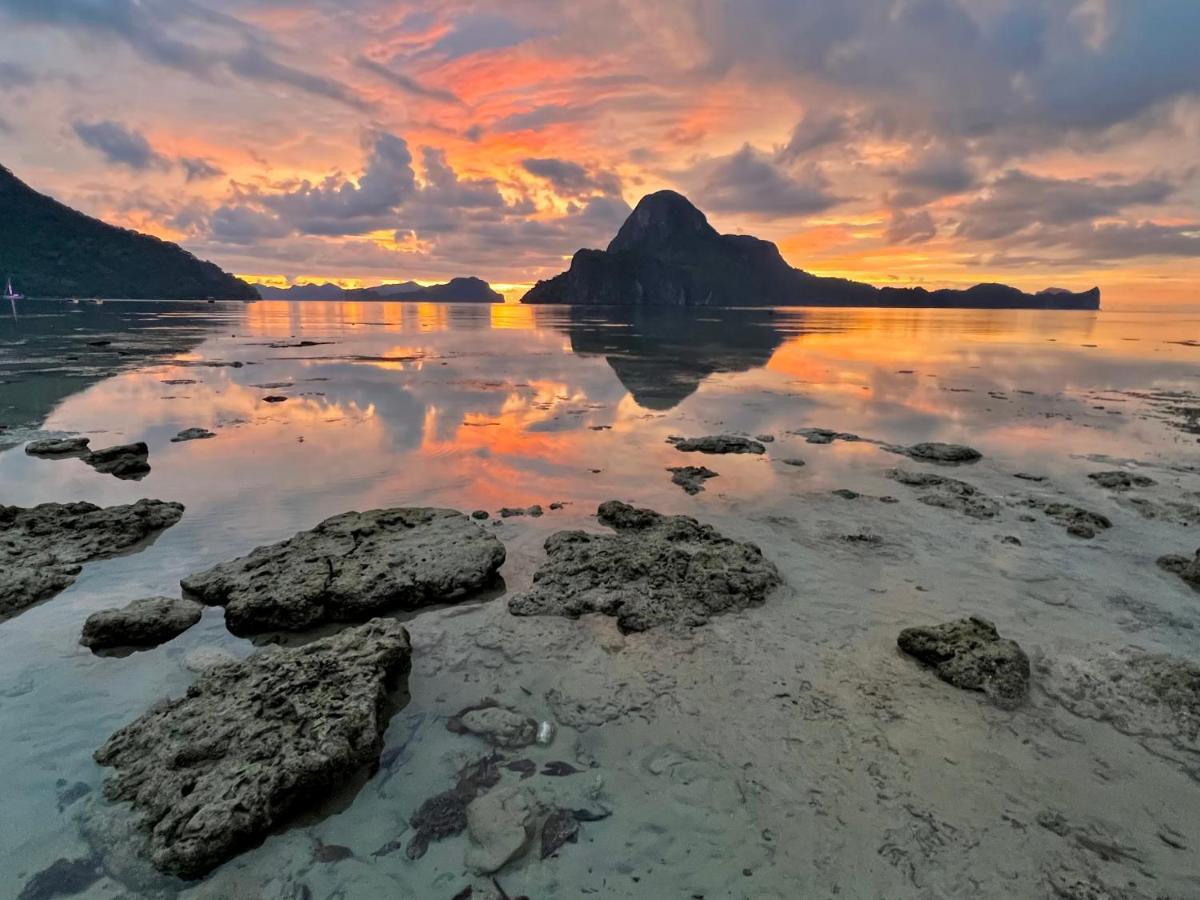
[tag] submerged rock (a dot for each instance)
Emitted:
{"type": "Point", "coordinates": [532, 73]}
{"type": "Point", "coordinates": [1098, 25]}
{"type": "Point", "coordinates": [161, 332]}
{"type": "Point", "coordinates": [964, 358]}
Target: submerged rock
{"type": "Point", "coordinates": [445, 815]}
{"type": "Point", "coordinates": [499, 824]}
{"type": "Point", "coordinates": [193, 434]}
{"type": "Point", "coordinates": [205, 657]}
{"type": "Point", "coordinates": [1079, 522]}
{"type": "Point", "coordinates": [252, 743]}
{"type": "Point", "coordinates": [1186, 568]}
{"type": "Point", "coordinates": [824, 435]}
{"type": "Point", "coordinates": [560, 827]}
{"type": "Point", "coordinates": [654, 570]}
{"type": "Point", "coordinates": [718, 443]}
{"type": "Point", "coordinates": [143, 623]}
{"type": "Point", "coordinates": [125, 461]}
{"type": "Point", "coordinates": [42, 548]}
{"type": "Point", "coordinates": [62, 878]}
{"type": "Point", "coordinates": [1119, 480]}
{"type": "Point", "coordinates": [691, 478]}
{"type": "Point", "coordinates": [351, 567]}
{"type": "Point", "coordinates": [948, 493]}
{"type": "Point", "coordinates": [58, 446]}
{"type": "Point", "coordinates": [970, 654]}
{"type": "Point", "coordinates": [933, 451]}
{"type": "Point", "coordinates": [1153, 696]}
{"type": "Point", "coordinates": [496, 724]}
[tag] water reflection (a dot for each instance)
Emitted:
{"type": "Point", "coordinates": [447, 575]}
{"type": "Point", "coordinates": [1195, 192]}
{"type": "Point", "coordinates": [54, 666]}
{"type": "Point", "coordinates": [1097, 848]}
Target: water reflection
{"type": "Point", "coordinates": [662, 357]}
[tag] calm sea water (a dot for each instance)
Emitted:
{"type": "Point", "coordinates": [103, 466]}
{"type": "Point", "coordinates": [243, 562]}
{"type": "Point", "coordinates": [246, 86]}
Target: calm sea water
{"type": "Point", "coordinates": [482, 407]}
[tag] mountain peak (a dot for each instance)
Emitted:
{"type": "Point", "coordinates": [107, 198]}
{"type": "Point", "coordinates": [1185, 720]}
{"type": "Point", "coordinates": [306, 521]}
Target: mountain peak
{"type": "Point", "coordinates": [661, 221]}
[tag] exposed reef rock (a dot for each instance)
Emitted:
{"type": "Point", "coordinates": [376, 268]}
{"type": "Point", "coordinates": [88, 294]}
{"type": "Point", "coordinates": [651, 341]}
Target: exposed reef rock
{"type": "Point", "coordinates": [1187, 568]}
{"type": "Point", "coordinates": [125, 461]}
{"type": "Point", "coordinates": [1155, 697]}
{"type": "Point", "coordinates": [824, 435]}
{"type": "Point", "coordinates": [42, 548]}
{"type": "Point", "coordinates": [192, 434]}
{"type": "Point", "coordinates": [1121, 481]}
{"type": "Point", "coordinates": [691, 478]}
{"type": "Point", "coordinates": [970, 654]}
{"type": "Point", "coordinates": [1079, 522]}
{"type": "Point", "coordinates": [351, 567]}
{"type": "Point", "coordinates": [655, 570]}
{"type": "Point", "coordinates": [949, 454]}
{"type": "Point", "coordinates": [254, 742]}
{"type": "Point", "coordinates": [143, 623]}
{"type": "Point", "coordinates": [717, 443]}
{"type": "Point", "coordinates": [948, 493]}
{"type": "Point", "coordinates": [58, 447]}
{"type": "Point", "coordinates": [667, 254]}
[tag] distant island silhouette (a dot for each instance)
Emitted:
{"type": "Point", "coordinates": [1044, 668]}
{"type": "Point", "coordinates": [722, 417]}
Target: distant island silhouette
{"type": "Point", "coordinates": [667, 254]}
{"type": "Point", "coordinates": [456, 290]}
{"type": "Point", "coordinates": [51, 250]}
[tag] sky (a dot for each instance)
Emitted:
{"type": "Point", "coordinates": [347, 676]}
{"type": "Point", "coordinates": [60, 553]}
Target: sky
{"type": "Point", "coordinates": [934, 142]}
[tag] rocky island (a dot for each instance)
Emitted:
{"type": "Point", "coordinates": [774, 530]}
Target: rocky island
{"type": "Point", "coordinates": [457, 290]}
{"type": "Point", "coordinates": [667, 254]}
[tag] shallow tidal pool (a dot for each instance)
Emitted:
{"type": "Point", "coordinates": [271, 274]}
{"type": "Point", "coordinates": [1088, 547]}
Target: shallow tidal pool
{"type": "Point", "coordinates": [787, 750]}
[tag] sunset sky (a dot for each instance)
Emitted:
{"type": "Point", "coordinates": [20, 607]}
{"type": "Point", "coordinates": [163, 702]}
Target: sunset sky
{"type": "Point", "coordinates": [940, 142]}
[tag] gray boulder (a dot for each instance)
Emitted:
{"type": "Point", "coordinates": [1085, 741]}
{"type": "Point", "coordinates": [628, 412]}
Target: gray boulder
{"type": "Point", "coordinates": [351, 567]}
{"type": "Point", "coordinates": [970, 654]}
{"type": "Point", "coordinates": [143, 623]}
{"type": "Point", "coordinates": [948, 493]}
{"type": "Point", "coordinates": [718, 443]}
{"type": "Point", "coordinates": [1187, 568]}
{"type": "Point", "coordinates": [500, 825]}
{"type": "Point", "coordinates": [691, 478]}
{"type": "Point", "coordinates": [42, 548]}
{"type": "Point", "coordinates": [125, 461]}
{"type": "Point", "coordinates": [655, 570]}
{"type": "Point", "coordinates": [255, 742]}
{"type": "Point", "coordinates": [58, 446]}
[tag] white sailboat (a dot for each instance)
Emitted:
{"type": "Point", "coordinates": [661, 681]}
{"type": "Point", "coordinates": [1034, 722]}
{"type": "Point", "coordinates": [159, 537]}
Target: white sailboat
{"type": "Point", "coordinates": [9, 293]}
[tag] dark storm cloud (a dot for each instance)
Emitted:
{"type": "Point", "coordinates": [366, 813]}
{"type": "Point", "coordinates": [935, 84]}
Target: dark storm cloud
{"type": "Point", "coordinates": [13, 75]}
{"type": "Point", "coordinates": [120, 145]}
{"type": "Point", "coordinates": [196, 169]}
{"type": "Point", "coordinates": [966, 67]}
{"type": "Point", "coordinates": [816, 131]}
{"type": "Point", "coordinates": [149, 27]}
{"type": "Point", "coordinates": [1017, 200]}
{"type": "Point", "coordinates": [570, 179]}
{"type": "Point", "coordinates": [911, 228]}
{"type": "Point", "coordinates": [339, 206]}
{"type": "Point", "coordinates": [749, 181]}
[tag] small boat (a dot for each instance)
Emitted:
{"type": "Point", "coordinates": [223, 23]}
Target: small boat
{"type": "Point", "coordinates": [9, 293]}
